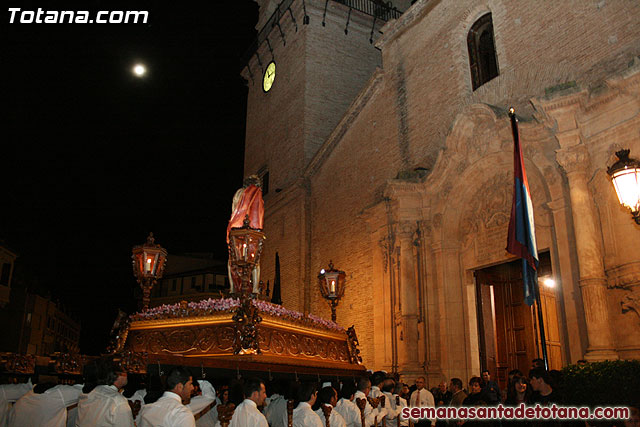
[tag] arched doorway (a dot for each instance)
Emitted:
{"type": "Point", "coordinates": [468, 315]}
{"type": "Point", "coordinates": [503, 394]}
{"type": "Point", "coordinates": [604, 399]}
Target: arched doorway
{"type": "Point", "coordinates": [507, 327]}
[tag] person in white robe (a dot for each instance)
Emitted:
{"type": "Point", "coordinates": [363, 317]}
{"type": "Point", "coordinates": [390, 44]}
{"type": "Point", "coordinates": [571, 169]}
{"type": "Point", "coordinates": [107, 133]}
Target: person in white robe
{"type": "Point", "coordinates": [169, 410]}
{"type": "Point", "coordinates": [329, 397]}
{"type": "Point", "coordinates": [247, 413]}
{"type": "Point", "coordinates": [303, 415]}
{"type": "Point", "coordinates": [276, 410]}
{"type": "Point", "coordinates": [201, 405]}
{"type": "Point", "coordinates": [45, 406]}
{"type": "Point", "coordinates": [370, 414]}
{"type": "Point", "coordinates": [105, 406]}
{"type": "Point", "coordinates": [346, 408]}
{"type": "Point", "coordinates": [394, 410]}
{"type": "Point", "coordinates": [10, 393]}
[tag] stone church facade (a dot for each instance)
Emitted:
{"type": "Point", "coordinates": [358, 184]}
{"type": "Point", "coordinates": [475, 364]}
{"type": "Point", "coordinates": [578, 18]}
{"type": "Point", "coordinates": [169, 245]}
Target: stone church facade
{"type": "Point", "coordinates": [384, 159]}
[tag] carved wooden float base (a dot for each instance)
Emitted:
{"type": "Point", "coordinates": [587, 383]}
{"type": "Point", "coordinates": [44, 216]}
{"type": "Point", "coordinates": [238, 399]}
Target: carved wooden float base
{"type": "Point", "coordinates": [208, 341]}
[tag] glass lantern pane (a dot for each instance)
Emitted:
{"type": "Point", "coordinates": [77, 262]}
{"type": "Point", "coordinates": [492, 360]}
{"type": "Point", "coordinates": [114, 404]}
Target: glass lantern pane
{"type": "Point", "coordinates": [147, 263]}
{"type": "Point", "coordinates": [139, 263]}
{"type": "Point", "coordinates": [626, 183]}
{"type": "Point", "coordinates": [332, 282]}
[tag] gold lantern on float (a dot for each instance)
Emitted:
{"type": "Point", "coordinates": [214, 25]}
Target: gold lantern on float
{"type": "Point", "coordinates": [148, 266]}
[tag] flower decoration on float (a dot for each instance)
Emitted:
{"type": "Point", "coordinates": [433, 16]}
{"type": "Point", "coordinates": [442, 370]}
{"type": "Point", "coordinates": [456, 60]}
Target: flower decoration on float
{"type": "Point", "coordinates": [212, 306]}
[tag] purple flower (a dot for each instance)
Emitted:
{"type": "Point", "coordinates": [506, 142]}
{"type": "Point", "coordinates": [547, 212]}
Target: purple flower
{"type": "Point", "coordinates": [209, 306]}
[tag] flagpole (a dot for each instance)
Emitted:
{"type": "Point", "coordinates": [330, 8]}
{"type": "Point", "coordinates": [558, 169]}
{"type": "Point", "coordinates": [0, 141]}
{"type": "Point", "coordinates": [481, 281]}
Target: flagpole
{"type": "Point", "coordinates": [543, 339]}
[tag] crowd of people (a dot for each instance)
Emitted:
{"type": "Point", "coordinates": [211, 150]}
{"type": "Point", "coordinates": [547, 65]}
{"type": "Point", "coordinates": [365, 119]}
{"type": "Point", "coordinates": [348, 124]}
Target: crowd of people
{"type": "Point", "coordinates": [108, 398]}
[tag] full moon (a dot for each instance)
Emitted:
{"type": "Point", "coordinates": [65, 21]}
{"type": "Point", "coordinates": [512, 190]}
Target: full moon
{"type": "Point", "coordinates": [139, 70]}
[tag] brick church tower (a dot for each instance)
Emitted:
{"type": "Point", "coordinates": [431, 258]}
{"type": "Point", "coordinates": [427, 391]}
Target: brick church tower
{"type": "Point", "coordinates": [316, 56]}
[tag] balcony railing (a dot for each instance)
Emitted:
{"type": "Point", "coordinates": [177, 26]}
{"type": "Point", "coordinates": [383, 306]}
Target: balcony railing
{"type": "Point", "coordinates": [375, 8]}
{"type": "Point", "coordinates": [379, 9]}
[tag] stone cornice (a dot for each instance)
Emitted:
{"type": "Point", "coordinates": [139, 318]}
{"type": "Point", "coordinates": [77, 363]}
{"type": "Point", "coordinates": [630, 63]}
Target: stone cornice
{"type": "Point", "coordinates": [561, 101]}
{"type": "Point", "coordinates": [583, 101]}
{"type": "Point", "coordinates": [345, 123]}
{"type": "Point", "coordinates": [628, 79]}
{"type": "Point", "coordinates": [623, 276]}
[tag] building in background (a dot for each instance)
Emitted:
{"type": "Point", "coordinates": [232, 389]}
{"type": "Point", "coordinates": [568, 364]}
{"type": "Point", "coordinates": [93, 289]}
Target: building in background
{"type": "Point", "coordinates": [190, 277]}
{"type": "Point", "coordinates": [7, 261]}
{"type": "Point", "coordinates": [37, 325]}
{"type": "Point", "coordinates": [394, 159]}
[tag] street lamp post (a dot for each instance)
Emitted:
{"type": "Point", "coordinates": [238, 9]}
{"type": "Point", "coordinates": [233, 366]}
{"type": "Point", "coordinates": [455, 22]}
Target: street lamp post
{"type": "Point", "coordinates": [245, 248]}
{"type": "Point", "coordinates": [148, 266]}
{"type": "Point", "coordinates": [332, 287]}
{"type": "Point", "coordinates": [625, 174]}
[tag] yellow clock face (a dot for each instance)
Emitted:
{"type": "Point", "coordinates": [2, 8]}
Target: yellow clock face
{"type": "Point", "coordinates": [269, 76]}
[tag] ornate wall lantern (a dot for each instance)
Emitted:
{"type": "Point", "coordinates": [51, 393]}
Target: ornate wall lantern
{"type": "Point", "coordinates": [332, 286]}
{"type": "Point", "coordinates": [148, 266]}
{"type": "Point", "coordinates": [625, 174]}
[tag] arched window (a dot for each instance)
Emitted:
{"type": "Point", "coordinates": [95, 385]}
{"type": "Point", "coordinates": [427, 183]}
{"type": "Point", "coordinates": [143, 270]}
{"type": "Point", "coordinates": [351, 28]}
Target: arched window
{"type": "Point", "coordinates": [482, 52]}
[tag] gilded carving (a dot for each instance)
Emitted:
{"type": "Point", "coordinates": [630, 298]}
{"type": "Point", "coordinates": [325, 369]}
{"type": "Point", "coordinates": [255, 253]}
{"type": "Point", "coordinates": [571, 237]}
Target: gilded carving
{"type": "Point", "coordinates": [220, 340]}
{"type": "Point", "coordinates": [134, 362]}
{"type": "Point", "coordinates": [67, 363]}
{"type": "Point", "coordinates": [20, 363]}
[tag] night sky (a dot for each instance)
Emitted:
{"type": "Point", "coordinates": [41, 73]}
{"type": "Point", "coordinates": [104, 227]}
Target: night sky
{"type": "Point", "coordinates": [95, 158]}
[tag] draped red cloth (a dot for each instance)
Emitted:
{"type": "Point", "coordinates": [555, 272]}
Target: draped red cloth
{"type": "Point", "coordinates": [250, 203]}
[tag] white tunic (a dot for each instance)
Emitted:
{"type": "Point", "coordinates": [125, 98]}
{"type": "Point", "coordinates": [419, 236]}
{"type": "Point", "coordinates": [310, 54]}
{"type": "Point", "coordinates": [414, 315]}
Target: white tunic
{"type": "Point", "coordinates": [202, 402]}
{"type": "Point", "coordinates": [370, 413]}
{"type": "Point", "coordinates": [423, 399]}
{"type": "Point", "coordinates": [335, 419]}
{"type": "Point", "coordinates": [349, 411]}
{"type": "Point", "coordinates": [375, 392]}
{"type": "Point", "coordinates": [138, 396]}
{"type": "Point", "coordinates": [394, 411]}
{"type": "Point", "coordinates": [276, 411]}
{"type": "Point", "coordinates": [104, 407]}
{"type": "Point", "coordinates": [201, 405]}
{"type": "Point", "coordinates": [10, 393]}
{"type": "Point", "coordinates": [210, 418]}
{"type": "Point", "coordinates": [48, 409]}
{"type": "Point", "coordinates": [247, 414]}
{"type": "Point", "coordinates": [167, 411]}
{"type": "Point", "coordinates": [72, 414]}
{"type": "Point", "coordinates": [303, 416]}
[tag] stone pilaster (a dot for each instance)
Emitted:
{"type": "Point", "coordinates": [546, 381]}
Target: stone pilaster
{"type": "Point", "coordinates": [575, 160]}
{"type": "Point", "coordinates": [409, 363]}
